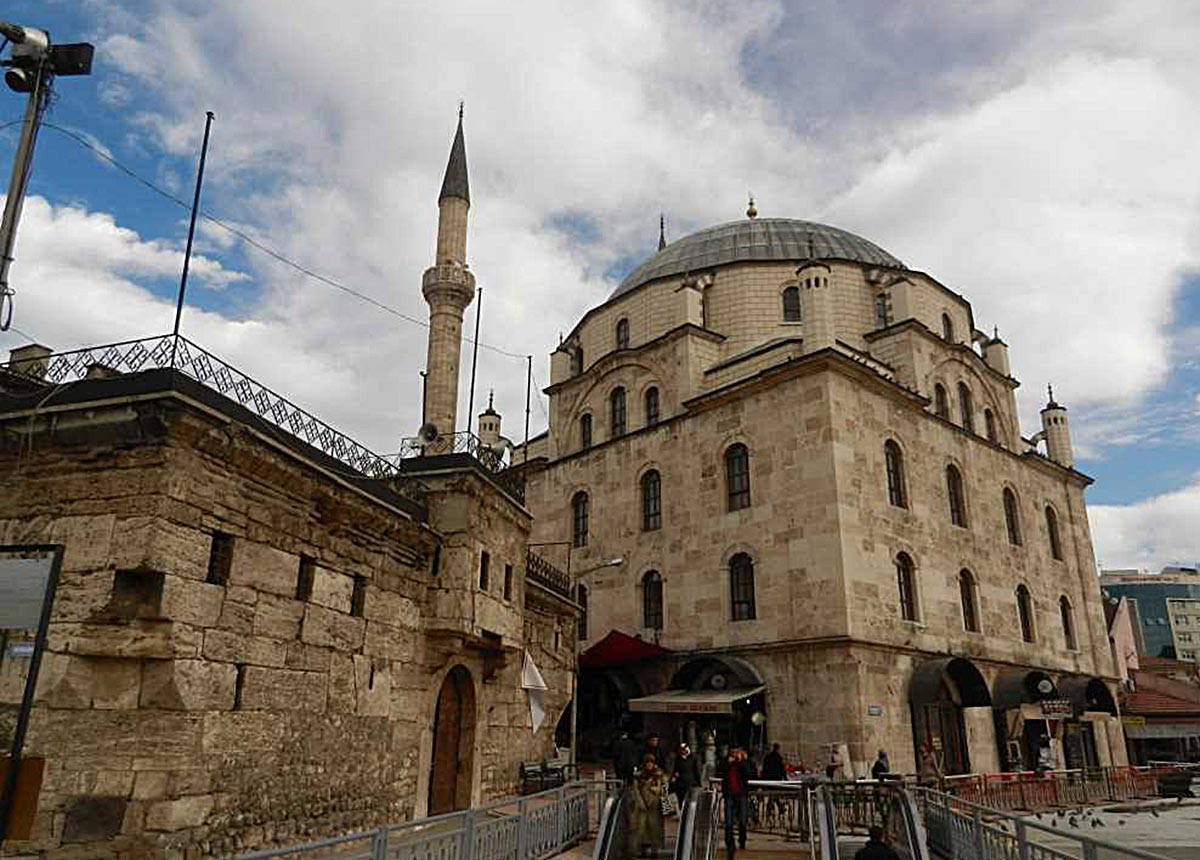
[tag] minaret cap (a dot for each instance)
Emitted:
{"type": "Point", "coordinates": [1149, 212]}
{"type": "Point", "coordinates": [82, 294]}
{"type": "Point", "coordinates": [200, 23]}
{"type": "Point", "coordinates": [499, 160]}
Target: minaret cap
{"type": "Point", "coordinates": [489, 410]}
{"type": "Point", "coordinates": [455, 184]}
{"type": "Point", "coordinates": [751, 210]}
{"type": "Point", "coordinates": [1050, 404]}
{"type": "Point", "coordinates": [662, 232]}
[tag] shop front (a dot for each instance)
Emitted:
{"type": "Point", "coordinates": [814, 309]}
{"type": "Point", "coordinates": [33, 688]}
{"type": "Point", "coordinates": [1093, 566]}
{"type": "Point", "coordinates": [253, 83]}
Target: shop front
{"type": "Point", "coordinates": [943, 694]}
{"type": "Point", "coordinates": [711, 703]}
{"type": "Point", "coordinates": [1030, 712]}
{"type": "Point", "coordinates": [607, 684]}
{"type": "Point", "coordinates": [1086, 741]}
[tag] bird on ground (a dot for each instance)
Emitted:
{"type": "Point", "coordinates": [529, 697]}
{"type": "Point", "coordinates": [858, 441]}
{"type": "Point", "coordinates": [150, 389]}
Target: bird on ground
{"type": "Point", "coordinates": [1154, 812]}
{"type": "Point", "coordinates": [1073, 821]}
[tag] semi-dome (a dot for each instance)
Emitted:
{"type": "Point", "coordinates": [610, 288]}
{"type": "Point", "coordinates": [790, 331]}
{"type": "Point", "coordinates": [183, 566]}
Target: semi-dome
{"type": "Point", "coordinates": [756, 239]}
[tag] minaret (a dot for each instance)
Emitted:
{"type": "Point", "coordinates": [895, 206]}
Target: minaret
{"type": "Point", "coordinates": [818, 312]}
{"type": "Point", "coordinates": [489, 424]}
{"type": "Point", "coordinates": [448, 287]}
{"type": "Point", "coordinates": [1058, 431]}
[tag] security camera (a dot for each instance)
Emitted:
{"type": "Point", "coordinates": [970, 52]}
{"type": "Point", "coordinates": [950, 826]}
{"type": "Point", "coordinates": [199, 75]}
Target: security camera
{"type": "Point", "coordinates": [20, 80]}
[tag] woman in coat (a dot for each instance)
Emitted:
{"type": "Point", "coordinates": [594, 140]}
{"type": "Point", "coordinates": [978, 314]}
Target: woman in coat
{"type": "Point", "coordinates": [646, 826]}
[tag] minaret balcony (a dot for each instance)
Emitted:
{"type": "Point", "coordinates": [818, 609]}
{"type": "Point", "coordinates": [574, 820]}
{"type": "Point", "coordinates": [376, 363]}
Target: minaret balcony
{"type": "Point", "coordinates": [448, 282]}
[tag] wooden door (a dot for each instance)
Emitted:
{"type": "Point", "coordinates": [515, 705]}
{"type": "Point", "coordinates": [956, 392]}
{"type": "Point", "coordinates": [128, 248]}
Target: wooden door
{"type": "Point", "coordinates": [453, 723]}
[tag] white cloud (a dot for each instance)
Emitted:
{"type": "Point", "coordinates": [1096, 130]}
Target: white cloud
{"type": "Point", "coordinates": [1150, 533]}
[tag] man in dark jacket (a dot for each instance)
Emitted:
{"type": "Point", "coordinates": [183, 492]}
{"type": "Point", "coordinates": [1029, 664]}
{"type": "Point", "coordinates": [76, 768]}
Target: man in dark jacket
{"type": "Point", "coordinates": [773, 767]}
{"type": "Point", "coordinates": [625, 757]}
{"type": "Point", "coordinates": [876, 848]}
{"type": "Point", "coordinates": [735, 773]}
{"type": "Point", "coordinates": [686, 774]}
{"type": "Point", "coordinates": [654, 748]}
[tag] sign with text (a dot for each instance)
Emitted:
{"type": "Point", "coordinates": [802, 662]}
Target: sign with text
{"type": "Point", "coordinates": [1057, 709]}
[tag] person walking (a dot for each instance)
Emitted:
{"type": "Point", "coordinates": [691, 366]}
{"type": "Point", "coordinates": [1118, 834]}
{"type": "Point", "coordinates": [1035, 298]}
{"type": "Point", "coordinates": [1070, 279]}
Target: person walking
{"type": "Point", "coordinates": [624, 757]}
{"type": "Point", "coordinates": [654, 748]}
{"type": "Point", "coordinates": [929, 772]}
{"type": "Point", "coordinates": [876, 847]}
{"type": "Point", "coordinates": [833, 764]}
{"type": "Point", "coordinates": [773, 766]}
{"type": "Point", "coordinates": [646, 827]}
{"type": "Point", "coordinates": [735, 792]}
{"type": "Point", "coordinates": [686, 774]}
{"type": "Point", "coordinates": [881, 767]}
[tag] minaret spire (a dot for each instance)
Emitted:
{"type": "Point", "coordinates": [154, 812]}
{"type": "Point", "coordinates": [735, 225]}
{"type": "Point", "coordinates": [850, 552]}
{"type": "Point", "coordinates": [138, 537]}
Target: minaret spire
{"type": "Point", "coordinates": [448, 287]}
{"type": "Point", "coordinates": [662, 231]}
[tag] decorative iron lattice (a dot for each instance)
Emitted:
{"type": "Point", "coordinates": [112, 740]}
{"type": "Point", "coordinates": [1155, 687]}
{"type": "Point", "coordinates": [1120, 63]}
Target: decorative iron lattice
{"type": "Point", "coordinates": [544, 573]}
{"type": "Point", "coordinates": [466, 442]}
{"type": "Point", "coordinates": [177, 352]}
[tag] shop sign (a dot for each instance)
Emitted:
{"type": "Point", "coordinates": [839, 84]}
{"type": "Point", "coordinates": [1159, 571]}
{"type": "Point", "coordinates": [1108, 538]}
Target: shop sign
{"type": "Point", "coordinates": [1057, 709]}
{"type": "Point", "coordinates": [874, 710]}
{"type": "Point", "coordinates": [1132, 722]}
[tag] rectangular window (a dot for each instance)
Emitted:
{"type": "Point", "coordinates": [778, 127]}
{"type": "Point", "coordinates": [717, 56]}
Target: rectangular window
{"type": "Point", "coordinates": [305, 576]}
{"type": "Point", "coordinates": [358, 600]}
{"type": "Point", "coordinates": [220, 559]}
{"type": "Point", "coordinates": [508, 581]}
{"type": "Point", "coordinates": [485, 561]}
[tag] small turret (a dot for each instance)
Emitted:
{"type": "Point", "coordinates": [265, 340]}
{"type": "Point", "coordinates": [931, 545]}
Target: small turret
{"type": "Point", "coordinates": [995, 354]}
{"type": "Point", "coordinates": [814, 280]}
{"type": "Point", "coordinates": [489, 424]}
{"type": "Point", "coordinates": [1057, 431]}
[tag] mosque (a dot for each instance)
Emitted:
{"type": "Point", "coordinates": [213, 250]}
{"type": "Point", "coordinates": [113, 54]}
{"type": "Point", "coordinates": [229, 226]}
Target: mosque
{"type": "Point", "coordinates": [788, 472]}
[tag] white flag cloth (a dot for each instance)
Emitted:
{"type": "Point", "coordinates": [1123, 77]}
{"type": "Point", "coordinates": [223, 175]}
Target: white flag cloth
{"type": "Point", "coordinates": [533, 682]}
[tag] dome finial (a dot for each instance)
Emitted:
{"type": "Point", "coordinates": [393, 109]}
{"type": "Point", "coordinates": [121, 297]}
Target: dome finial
{"type": "Point", "coordinates": [751, 212]}
{"type": "Point", "coordinates": [491, 396]}
{"type": "Point", "coordinates": [662, 231]}
{"type": "Point", "coordinates": [1050, 395]}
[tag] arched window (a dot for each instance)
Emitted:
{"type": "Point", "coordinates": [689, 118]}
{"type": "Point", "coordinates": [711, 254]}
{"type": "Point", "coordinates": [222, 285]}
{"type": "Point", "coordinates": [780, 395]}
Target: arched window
{"type": "Point", "coordinates": [941, 401]}
{"type": "Point", "coordinates": [652, 601]}
{"type": "Point", "coordinates": [1012, 517]}
{"type": "Point", "coordinates": [616, 412]}
{"type": "Point", "coordinates": [1052, 533]}
{"type": "Point", "coordinates": [947, 328]}
{"type": "Point", "coordinates": [585, 431]}
{"type": "Point", "coordinates": [966, 407]}
{"type": "Point", "coordinates": [894, 459]}
{"type": "Point", "coordinates": [651, 501]}
{"type": "Point", "coordinates": [906, 583]}
{"type": "Point", "coordinates": [989, 425]}
{"type": "Point", "coordinates": [737, 476]}
{"type": "Point", "coordinates": [882, 317]}
{"type": "Point", "coordinates": [651, 406]}
{"type": "Point", "coordinates": [966, 595]}
{"type": "Point", "coordinates": [956, 496]}
{"type": "Point", "coordinates": [741, 587]}
{"type": "Point", "coordinates": [579, 519]}
{"type": "Point", "coordinates": [577, 361]}
{"type": "Point", "coordinates": [791, 304]}
{"type": "Point", "coordinates": [1068, 622]}
{"type": "Point", "coordinates": [1025, 613]}
{"type": "Point", "coordinates": [581, 597]}
{"type": "Point", "coordinates": [622, 333]}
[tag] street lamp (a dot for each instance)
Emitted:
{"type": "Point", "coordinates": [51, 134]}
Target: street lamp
{"type": "Point", "coordinates": [604, 562]}
{"type": "Point", "coordinates": [32, 65]}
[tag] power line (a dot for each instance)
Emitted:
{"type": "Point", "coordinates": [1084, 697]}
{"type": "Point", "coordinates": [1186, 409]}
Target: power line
{"type": "Point", "coordinates": [256, 244]}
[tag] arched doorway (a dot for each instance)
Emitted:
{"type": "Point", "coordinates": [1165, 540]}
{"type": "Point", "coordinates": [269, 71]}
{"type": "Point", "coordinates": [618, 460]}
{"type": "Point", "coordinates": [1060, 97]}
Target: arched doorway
{"type": "Point", "coordinates": [453, 744]}
{"type": "Point", "coordinates": [1092, 703]}
{"type": "Point", "coordinates": [1029, 710]}
{"type": "Point", "coordinates": [939, 693]}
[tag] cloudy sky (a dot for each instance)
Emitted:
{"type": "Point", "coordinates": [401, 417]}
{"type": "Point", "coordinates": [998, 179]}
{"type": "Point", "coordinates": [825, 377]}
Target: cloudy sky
{"type": "Point", "coordinates": [1038, 158]}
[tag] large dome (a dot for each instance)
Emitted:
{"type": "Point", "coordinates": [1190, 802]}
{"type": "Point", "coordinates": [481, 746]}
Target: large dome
{"type": "Point", "coordinates": [756, 239]}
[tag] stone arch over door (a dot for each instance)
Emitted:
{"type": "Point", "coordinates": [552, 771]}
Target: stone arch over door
{"type": "Point", "coordinates": [942, 695]}
{"type": "Point", "coordinates": [452, 766]}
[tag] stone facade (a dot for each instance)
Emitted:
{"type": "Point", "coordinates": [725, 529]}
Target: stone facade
{"type": "Point", "coordinates": [814, 401]}
{"type": "Point", "coordinates": [187, 712]}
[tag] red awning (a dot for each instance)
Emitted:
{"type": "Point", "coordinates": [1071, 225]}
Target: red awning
{"type": "Point", "coordinates": [617, 649]}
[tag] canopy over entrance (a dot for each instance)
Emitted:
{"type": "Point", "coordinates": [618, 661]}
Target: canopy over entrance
{"type": "Point", "coordinates": [956, 675]}
{"type": "Point", "coordinates": [1017, 687]}
{"type": "Point", "coordinates": [1087, 693]}
{"type": "Point", "coordinates": [694, 701]}
{"type": "Point", "coordinates": [619, 649]}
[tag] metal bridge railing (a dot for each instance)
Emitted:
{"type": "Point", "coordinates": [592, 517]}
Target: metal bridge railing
{"type": "Point", "coordinates": [961, 830]}
{"type": "Point", "coordinates": [533, 827]}
{"type": "Point", "coordinates": [1057, 788]}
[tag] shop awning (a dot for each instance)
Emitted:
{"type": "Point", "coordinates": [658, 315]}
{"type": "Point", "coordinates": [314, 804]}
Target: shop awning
{"type": "Point", "coordinates": [692, 701]}
{"type": "Point", "coordinates": [1150, 730]}
{"type": "Point", "coordinates": [619, 649]}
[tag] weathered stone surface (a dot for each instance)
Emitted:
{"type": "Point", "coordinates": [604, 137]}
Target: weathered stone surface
{"type": "Point", "coordinates": [188, 685]}
{"type": "Point", "coordinates": [335, 629]}
{"type": "Point", "coordinates": [116, 683]}
{"type": "Point", "coordinates": [150, 784]}
{"type": "Point", "coordinates": [388, 607]}
{"type": "Point", "coordinates": [91, 819]}
{"type": "Point", "coordinates": [282, 690]}
{"type": "Point", "coordinates": [311, 658]}
{"type": "Point", "coordinates": [264, 568]}
{"type": "Point", "coordinates": [373, 684]}
{"type": "Point", "coordinates": [332, 589]}
{"type": "Point", "coordinates": [242, 732]}
{"type": "Point", "coordinates": [229, 647]}
{"type": "Point", "coordinates": [191, 601]}
{"type": "Point", "coordinates": [394, 643]}
{"type": "Point", "coordinates": [278, 617]}
{"type": "Point", "coordinates": [87, 540]}
{"type": "Point", "coordinates": [154, 543]}
{"type": "Point", "coordinates": [237, 617]}
{"type": "Point", "coordinates": [137, 638]}
{"type": "Point", "coordinates": [180, 813]}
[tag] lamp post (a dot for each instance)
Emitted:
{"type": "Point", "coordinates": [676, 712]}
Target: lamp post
{"type": "Point", "coordinates": [32, 65]}
{"type": "Point", "coordinates": [606, 562]}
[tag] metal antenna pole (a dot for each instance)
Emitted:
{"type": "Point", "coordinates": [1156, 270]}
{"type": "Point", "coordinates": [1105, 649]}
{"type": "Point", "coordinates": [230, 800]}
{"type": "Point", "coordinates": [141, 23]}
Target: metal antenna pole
{"type": "Point", "coordinates": [474, 359]}
{"type": "Point", "coordinates": [528, 389]}
{"type": "Point", "coordinates": [209, 116]}
{"type": "Point", "coordinates": [39, 97]}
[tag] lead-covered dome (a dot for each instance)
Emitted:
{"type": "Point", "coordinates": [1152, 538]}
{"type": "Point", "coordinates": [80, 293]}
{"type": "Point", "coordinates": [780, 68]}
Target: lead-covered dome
{"type": "Point", "coordinates": [756, 239]}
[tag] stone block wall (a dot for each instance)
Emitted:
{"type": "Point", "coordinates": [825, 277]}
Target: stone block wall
{"type": "Point", "coordinates": [188, 715]}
